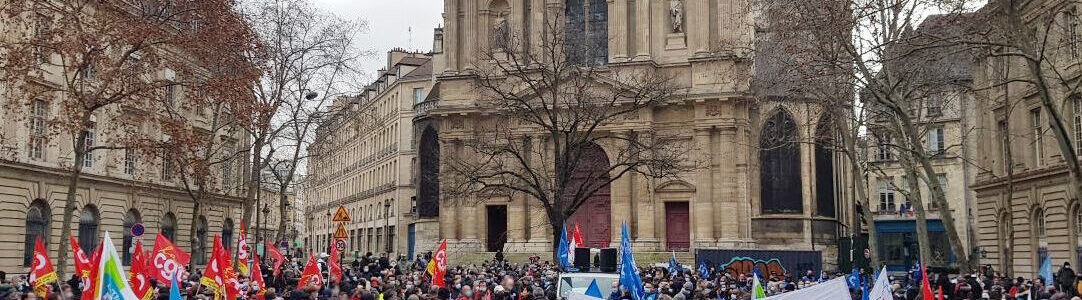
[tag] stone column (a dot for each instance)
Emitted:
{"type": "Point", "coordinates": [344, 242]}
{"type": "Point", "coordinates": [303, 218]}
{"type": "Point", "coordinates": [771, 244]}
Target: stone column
{"type": "Point", "coordinates": [537, 24]}
{"type": "Point", "coordinates": [450, 35]}
{"type": "Point", "coordinates": [646, 232]}
{"type": "Point", "coordinates": [516, 222]}
{"type": "Point", "coordinates": [470, 28]}
{"type": "Point", "coordinates": [643, 30]}
{"type": "Point", "coordinates": [618, 37]}
{"type": "Point", "coordinates": [702, 207]}
{"type": "Point", "coordinates": [726, 200]}
{"type": "Point", "coordinates": [620, 208]}
{"type": "Point", "coordinates": [699, 25]}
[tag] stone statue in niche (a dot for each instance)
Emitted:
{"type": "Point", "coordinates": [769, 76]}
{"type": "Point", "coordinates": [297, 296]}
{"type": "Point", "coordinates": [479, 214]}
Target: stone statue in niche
{"type": "Point", "coordinates": [676, 13]}
{"type": "Point", "coordinates": [500, 33]}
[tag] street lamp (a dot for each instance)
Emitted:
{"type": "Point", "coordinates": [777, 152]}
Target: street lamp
{"type": "Point", "coordinates": [386, 227]}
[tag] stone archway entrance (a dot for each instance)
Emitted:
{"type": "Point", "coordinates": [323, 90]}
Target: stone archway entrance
{"type": "Point", "coordinates": [594, 216]}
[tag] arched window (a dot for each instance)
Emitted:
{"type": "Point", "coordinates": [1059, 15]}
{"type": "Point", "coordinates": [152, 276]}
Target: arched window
{"type": "Point", "coordinates": [169, 227]}
{"type": "Point", "coordinates": [130, 219]}
{"type": "Point", "coordinates": [88, 228]}
{"type": "Point", "coordinates": [779, 162]}
{"type": "Point", "coordinates": [587, 32]}
{"type": "Point", "coordinates": [37, 225]}
{"type": "Point", "coordinates": [199, 250]}
{"type": "Point", "coordinates": [429, 186]}
{"type": "Point", "coordinates": [227, 234]}
{"type": "Point", "coordinates": [824, 168]}
{"type": "Point", "coordinates": [1040, 236]}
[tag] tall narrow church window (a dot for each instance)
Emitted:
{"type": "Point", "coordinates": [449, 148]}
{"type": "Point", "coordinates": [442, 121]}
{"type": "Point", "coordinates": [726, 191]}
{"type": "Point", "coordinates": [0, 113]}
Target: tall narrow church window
{"type": "Point", "coordinates": [587, 32]}
{"type": "Point", "coordinates": [824, 168]}
{"type": "Point", "coordinates": [779, 161]}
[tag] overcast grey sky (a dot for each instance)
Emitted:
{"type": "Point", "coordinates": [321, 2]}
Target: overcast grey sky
{"type": "Point", "coordinates": [389, 24]}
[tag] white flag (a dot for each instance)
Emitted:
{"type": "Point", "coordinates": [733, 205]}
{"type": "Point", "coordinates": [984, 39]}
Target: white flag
{"type": "Point", "coordinates": [882, 288]}
{"type": "Point", "coordinates": [831, 289]}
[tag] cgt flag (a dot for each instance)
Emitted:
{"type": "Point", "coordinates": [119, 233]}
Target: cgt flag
{"type": "Point", "coordinates": [138, 275]}
{"type": "Point", "coordinates": [42, 272]}
{"type": "Point", "coordinates": [440, 269]}
{"type": "Point", "coordinates": [168, 260]}
{"type": "Point", "coordinates": [276, 258]}
{"type": "Point", "coordinates": [311, 274]}
{"type": "Point", "coordinates": [335, 265]}
{"type": "Point", "coordinates": [257, 279]}
{"type": "Point", "coordinates": [243, 252]}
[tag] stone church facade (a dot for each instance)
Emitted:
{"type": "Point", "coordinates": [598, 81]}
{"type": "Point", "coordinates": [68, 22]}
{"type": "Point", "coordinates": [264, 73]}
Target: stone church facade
{"type": "Point", "coordinates": [789, 195]}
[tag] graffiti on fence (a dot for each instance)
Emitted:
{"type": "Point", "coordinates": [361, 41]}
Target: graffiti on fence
{"type": "Point", "coordinates": [745, 265]}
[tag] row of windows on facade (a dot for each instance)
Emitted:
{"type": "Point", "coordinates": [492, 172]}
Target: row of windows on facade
{"type": "Point", "coordinates": [368, 212]}
{"type": "Point", "coordinates": [367, 180]}
{"type": "Point", "coordinates": [1039, 234]}
{"type": "Point", "coordinates": [365, 239]}
{"type": "Point", "coordinates": [38, 218]}
{"type": "Point", "coordinates": [887, 188]}
{"type": "Point", "coordinates": [934, 141]}
{"type": "Point", "coordinates": [37, 142]}
{"type": "Point", "coordinates": [1037, 128]}
{"type": "Point", "coordinates": [377, 144]}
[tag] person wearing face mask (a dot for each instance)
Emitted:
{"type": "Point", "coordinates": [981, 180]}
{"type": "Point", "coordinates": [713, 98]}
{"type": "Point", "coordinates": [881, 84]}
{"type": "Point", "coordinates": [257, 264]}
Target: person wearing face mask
{"type": "Point", "coordinates": [651, 293]}
{"type": "Point", "coordinates": [465, 293]}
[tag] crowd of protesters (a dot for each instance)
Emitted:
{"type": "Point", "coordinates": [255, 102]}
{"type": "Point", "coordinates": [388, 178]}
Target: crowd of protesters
{"type": "Point", "coordinates": [373, 277]}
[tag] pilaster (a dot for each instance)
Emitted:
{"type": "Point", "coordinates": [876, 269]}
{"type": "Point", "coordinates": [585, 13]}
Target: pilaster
{"type": "Point", "coordinates": [450, 36]}
{"type": "Point", "coordinates": [702, 207]}
{"type": "Point", "coordinates": [699, 22]}
{"type": "Point", "coordinates": [643, 30]}
{"type": "Point", "coordinates": [619, 36]}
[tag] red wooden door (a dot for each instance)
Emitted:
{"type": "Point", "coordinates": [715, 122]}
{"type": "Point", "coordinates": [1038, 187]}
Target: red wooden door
{"type": "Point", "coordinates": [677, 228]}
{"type": "Point", "coordinates": [594, 218]}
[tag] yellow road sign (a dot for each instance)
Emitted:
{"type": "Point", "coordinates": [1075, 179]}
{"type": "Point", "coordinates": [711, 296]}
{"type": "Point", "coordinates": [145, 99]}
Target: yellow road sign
{"type": "Point", "coordinates": [341, 232]}
{"type": "Point", "coordinates": [341, 215]}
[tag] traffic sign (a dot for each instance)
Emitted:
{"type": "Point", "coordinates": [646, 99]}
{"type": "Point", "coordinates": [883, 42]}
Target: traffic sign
{"type": "Point", "coordinates": [137, 229]}
{"type": "Point", "coordinates": [340, 244]}
{"type": "Point", "coordinates": [341, 232]}
{"type": "Point", "coordinates": [341, 215]}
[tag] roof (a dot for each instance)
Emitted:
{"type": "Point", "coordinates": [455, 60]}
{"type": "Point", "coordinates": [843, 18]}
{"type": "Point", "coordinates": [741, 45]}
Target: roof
{"type": "Point", "coordinates": [424, 71]}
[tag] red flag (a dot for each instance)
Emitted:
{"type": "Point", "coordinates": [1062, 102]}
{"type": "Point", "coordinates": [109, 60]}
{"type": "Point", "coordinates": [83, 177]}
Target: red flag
{"type": "Point", "coordinates": [42, 272]}
{"type": "Point", "coordinates": [219, 276]}
{"type": "Point", "coordinates": [310, 274]}
{"type": "Point", "coordinates": [168, 259]}
{"type": "Point", "coordinates": [82, 262]}
{"type": "Point", "coordinates": [577, 237]}
{"type": "Point", "coordinates": [276, 258]}
{"type": "Point", "coordinates": [257, 278]}
{"type": "Point", "coordinates": [88, 282]}
{"type": "Point", "coordinates": [335, 265]}
{"type": "Point", "coordinates": [242, 251]}
{"type": "Point", "coordinates": [441, 265]}
{"type": "Point", "coordinates": [925, 287]}
{"type": "Point", "coordinates": [229, 274]}
{"type": "Point", "coordinates": [138, 275]}
{"type": "Point", "coordinates": [939, 293]}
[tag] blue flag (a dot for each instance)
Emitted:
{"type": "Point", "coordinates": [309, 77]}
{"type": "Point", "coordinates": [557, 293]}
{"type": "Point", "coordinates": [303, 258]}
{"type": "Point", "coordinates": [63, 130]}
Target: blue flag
{"type": "Point", "coordinates": [594, 290]}
{"type": "Point", "coordinates": [703, 271]}
{"type": "Point", "coordinates": [854, 279]}
{"type": "Point", "coordinates": [674, 266]}
{"type": "Point", "coordinates": [563, 251]}
{"type": "Point", "coordinates": [629, 273]}
{"type": "Point", "coordinates": [1046, 269]}
{"type": "Point", "coordinates": [864, 291]}
{"type": "Point", "coordinates": [174, 290]}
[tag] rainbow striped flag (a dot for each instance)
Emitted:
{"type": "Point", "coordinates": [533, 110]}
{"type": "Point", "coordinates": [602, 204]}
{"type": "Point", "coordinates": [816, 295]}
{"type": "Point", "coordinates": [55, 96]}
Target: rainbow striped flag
{"type": "Point", "coordinates": [111, 282]}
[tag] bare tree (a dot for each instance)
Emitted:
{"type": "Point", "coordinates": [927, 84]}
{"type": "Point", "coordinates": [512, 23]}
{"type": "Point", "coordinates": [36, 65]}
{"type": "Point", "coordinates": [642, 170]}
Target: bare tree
{"type": "Point", "coordinates": [310, 59]}
{"type": "Point", "coordinates": [550, 108]}
{"type": "Point", "coordinates": [98, 59]}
